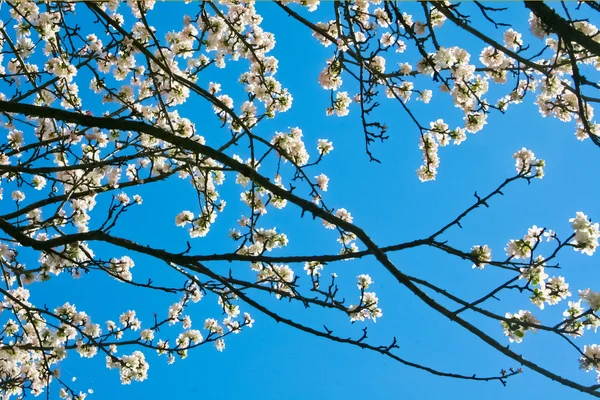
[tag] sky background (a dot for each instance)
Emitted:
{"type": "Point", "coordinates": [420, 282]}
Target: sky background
{"type": "Point", "coordinates": [273, 361]}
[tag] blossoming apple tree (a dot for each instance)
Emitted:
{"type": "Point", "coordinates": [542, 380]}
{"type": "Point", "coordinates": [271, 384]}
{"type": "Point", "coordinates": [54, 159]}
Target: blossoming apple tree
{"type": "Point", "coordinates": [91, 105]}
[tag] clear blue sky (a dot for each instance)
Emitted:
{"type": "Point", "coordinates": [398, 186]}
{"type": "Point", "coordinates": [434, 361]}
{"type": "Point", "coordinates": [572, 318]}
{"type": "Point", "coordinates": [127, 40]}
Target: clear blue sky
{"type": "Point", "coordinates": [387, 200]}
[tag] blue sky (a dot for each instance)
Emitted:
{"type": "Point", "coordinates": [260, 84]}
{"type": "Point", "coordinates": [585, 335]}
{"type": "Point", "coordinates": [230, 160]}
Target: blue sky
{"type": "Point", "coordinates": [272, 361]}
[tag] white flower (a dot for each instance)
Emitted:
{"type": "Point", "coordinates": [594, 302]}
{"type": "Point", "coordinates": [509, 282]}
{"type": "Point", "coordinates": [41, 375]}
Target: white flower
{"type": "Point", "coordinates": [128, 319]}
{"type": "Point", "coordinates": [591, 358]}
{"type": "Point", "coordinates": [580, 221]}
{"type": "Point", "coordinates": [329, 78]}
{"type": "Point", "coordinates": [324, 146]}
{"type": "Point", "coordinates": [515, 330]}
{"type": "Point", "coordinates": [482, 255]}
{"type": "Point", "coordinates": [18, 196]}
{"type": "Point", "coordinates": [133, 367]}
{"type": "Point", "coordinates": [322, 182]}
{"type": "Point", "coordinates": [38, 182]}
{"type": "Point", "coordinates": [123, 198]}
{"type": "Point", "coordinates": [518, 249]}
{"type": "Point", "coordinates": [341, 104]}
{"type": "Point", "coordinates": [291, 146]}
{"type": "Point", "coordinates": [174, 312]}
{"type": "Point", "coordinates": [364, 281]}
{"type": "Point", "coordinates": [367, 310]}
{"type": "Point", "coordinates": [557, 289]}
{"type": "Point", "coordinates": [586, 234]}
{"type": "Point", "coordinates": [526, 160]}
{"type": "Point", "coordinates": [248, 320]}
{"type": "Point", "coordinates": [492, 58]}
{"type": "Point", "coordinates": [512, 39]}
{"type": "Point", "coordinates": [425, 96]}
{"type": "Point", "coordinates": [591, 298]}
{"type": "Point", "coordinates": [184, 218]}
{"type": "Point", "coordinates": [313, 268]}
{"type": "Point", "coordinates": [212, 325]}
{"type": "Point", "coordinates": [147, 334]}
{"type": "Point", "coordinates": [344, 215]}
